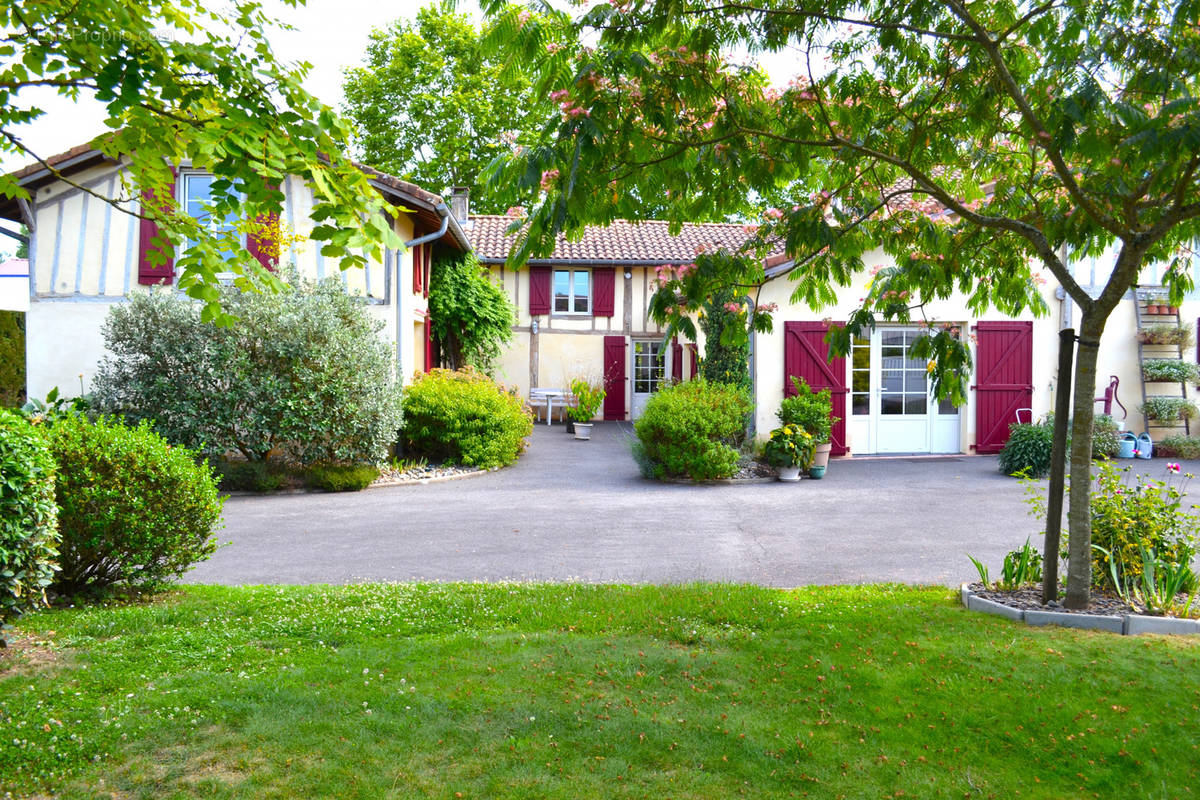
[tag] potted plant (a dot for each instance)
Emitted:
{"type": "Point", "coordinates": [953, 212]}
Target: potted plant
{"type": "Point", "coordinates": [1180, 335]}
{"type": "Point", "coordinates": [588, 397]}
{"type": "Point", "coordinates": [791, 449]}
{"type": "Point", "coordinates": [1169, 409]}
{"type": "Point", "coordinates": [1169, 370]}
{"type": "Point", "coordinates": [812, 411]}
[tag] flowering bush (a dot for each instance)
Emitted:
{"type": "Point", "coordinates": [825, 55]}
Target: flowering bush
{"type": "Point", "coordinates": [790, 446]}
{"type": "Point", "coordinates": [1129, 519]}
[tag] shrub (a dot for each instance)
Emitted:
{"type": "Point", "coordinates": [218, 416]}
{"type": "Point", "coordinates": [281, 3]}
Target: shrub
{"type": "Point", "coordinates": [1180, 446]}
{"type": "Point", "coordinates": [28, 519]}
{"type": "Point", "coordinates": [1106, 436]}
{"type": "Point", "coordinates": [464, 416]}
{"type": "Point", "coordinates": [1027, 452]}
{"type": "Point", "coordinates": [249, 476]}
{"type": "Point", "coordinates": [812, 411]}
{"type": "Point", "coordinates": [302, 371]}
{"type": "Point", "coordinates": [132, 508]}
{"type": "Point", "coordinates": [340, 477]}
{"type": "Point", "coordinates": [1128, 519]}
{"type": "Point", "coordinates": [1170, 370]}
{"type": "Point", "coordinates": [1168, 409]}
{"type": "Point", "coordinates": [692, 430]}
{"type": "Point", "coordinates": [12, 358]}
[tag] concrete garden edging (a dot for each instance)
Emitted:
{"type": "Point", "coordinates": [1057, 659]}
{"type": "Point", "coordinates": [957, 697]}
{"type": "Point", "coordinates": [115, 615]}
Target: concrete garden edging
{"type": "Point", "coordinates": [1124, 624]}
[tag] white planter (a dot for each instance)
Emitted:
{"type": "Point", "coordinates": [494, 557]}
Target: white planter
{"type": "Point", "coordinates": [789, 474]}
{"type": "Point", "coordinates": [583, 430]}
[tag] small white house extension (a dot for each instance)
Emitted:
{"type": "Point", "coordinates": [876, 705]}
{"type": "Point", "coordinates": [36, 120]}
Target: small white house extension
{"type": "Point", "coordinates": [85, 255]}
{"type": "Point", "coordinates": [583, 312]}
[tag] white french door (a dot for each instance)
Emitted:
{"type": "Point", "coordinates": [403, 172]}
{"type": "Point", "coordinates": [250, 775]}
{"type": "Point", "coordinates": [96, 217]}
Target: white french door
{"type": "Point", "coordinates": [649, 372]}
{"type": "Point", "coordinates": [891, 409]}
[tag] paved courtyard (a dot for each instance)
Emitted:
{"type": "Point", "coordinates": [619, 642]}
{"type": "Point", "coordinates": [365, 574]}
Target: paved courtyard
{"type": "Point", "coordinates": [579, 511]}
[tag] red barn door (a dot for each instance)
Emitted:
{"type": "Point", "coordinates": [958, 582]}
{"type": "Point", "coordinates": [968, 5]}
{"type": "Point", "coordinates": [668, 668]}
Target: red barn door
{"type": "Point", "coordinates": [805, 355]}
{"type": "Point", "coordinates": [1003, 380]}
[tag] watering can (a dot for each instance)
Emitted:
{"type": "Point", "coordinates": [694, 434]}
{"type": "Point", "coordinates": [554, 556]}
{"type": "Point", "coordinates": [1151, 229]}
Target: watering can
{"type": "Point", "coordinates": [1145, 446]}
{"type": "Point", "coordinates": [1128, 445]}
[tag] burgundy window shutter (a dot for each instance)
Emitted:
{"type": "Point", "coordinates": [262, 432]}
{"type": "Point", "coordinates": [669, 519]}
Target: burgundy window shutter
{"type": "Point", "coordinates": [676, 361]}
{"type": "Point", "coordinates": [539, 291]}
{"type": "Point", "coordinates": [806, 355]}
{"type": "Point", "coordinates": [694, 361]}
{"type": "Point", "coordinates": [614, 377]}
{"type": "Point", "coordinates": [604, 281]}
{"type": "Point", "coordinates": [427, 275]}
{"type": "Point", "coordinates": [1003, 380]}
{"type": "Point", "coordinates": [418, 266]}
{"type": "Point", "coordinates": [261, 247]}
{"type": "Point", "coordinates": [151, 273]}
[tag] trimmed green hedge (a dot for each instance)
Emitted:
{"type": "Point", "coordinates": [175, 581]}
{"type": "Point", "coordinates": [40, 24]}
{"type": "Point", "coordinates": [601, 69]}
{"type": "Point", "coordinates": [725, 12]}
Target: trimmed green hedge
{"type": "Point", "coordinates": [132, 508]}
{"type": "Point", "coordinates": [28, 514]}
{"type": "Point", "coordinates": [692, 430]}
{"type": "Point", "coordinates": [464, 417]}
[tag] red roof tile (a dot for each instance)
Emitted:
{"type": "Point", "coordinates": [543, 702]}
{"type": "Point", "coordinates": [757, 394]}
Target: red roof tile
{"type": "Point", "coordinates": [647, 242]}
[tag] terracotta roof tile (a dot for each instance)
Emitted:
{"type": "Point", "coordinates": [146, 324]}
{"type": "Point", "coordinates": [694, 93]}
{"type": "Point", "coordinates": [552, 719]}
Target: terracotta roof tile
{"type": "Point", "coordinates": [647, 242]}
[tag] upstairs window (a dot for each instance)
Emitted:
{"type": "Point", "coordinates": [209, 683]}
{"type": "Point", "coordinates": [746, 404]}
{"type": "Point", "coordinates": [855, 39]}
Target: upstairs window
{"type": "Point", "coordinates": [572, 291]}
{"type": "Point", "coordinates": [195, 195]}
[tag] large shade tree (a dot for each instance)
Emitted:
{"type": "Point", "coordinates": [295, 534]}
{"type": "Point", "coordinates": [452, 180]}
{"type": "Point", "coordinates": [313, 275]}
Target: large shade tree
{"type": "Point", "coordinates": [432, 107]}
{"type": "Point", "coordinates": [179, 81]}
{"type": "Point", "coordinates": [975, 143]}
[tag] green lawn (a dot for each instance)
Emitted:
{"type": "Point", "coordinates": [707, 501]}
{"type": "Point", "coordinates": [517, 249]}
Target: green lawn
{"type": "Point", "coordinates": [485, 691]}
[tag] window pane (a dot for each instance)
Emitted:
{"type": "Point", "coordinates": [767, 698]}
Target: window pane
{"type": "Point", "coordinates": [891, 404]}
{"type": "Point", "coordinates": [914, 404]}
{"type": "Point", "coordinates": [862, 358]}
{"type": "Point", "coordinates": [860, 403]}
{"type": "Point", "coordinates": [893, 338]}
{"type": "Point", "coordinates": [892, 380]}
{"type": "Point", "coordinates": [562, 290]}
{"type": "Point", "coordinates": [916, 381]}
{"type": "Point", "coordinates": [946, 407]}
{"type": "Point", "coordinates": [861, 381]}
{"type": "Point", "coordinates": [582, 290]}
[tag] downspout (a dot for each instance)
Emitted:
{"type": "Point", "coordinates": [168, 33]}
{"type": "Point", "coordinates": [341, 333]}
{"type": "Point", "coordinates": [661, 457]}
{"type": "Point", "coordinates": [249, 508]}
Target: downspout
{"type": "Point", "coordinates": [443, 210]}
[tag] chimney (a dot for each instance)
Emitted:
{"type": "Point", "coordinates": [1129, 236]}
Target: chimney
{"type": "Point", "coordinates": [460, 204]}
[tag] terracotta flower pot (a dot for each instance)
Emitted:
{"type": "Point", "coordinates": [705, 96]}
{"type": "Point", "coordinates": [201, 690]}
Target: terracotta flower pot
{"type": "Point", "coordinates": [821, 456]}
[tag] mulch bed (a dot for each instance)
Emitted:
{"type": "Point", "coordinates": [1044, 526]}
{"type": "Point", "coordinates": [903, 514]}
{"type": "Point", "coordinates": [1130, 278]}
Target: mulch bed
{"type": "Point", "coordinates": [1029, 598]}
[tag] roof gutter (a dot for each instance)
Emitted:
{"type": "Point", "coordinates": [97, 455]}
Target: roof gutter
{"type": "Point", "coordinates": [448, 223]}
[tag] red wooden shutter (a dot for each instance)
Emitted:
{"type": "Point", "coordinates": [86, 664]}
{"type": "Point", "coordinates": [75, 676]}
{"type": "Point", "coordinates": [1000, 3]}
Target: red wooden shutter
{"type": "Point", "coordinates": [418, 267]}
{"type": "Point", "coordinates": [806, 355]}
{"type": "Point", "coordinates": [150, 273]}
{"type": "Point", "coordinates": [693, 361]}
{"type": "Point", "coordinates": [604, 281]}
{"type": "Point", "coordinates": [539, 291]}
{"type": "Point", "coordinates": [1003, 380]}
{"type": "Point", "coordinates": [261, 247]}
{"type": "Point", "coordinates": [614, 377]}
{"type": "Point", "coordinates": [427, 275]}
{"type": "Point", "coordinates": [676, 361]}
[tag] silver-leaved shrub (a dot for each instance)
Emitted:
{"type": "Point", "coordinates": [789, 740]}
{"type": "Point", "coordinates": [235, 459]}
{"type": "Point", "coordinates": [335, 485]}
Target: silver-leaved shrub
{"type": "Point", "coordinates": [302, 372]}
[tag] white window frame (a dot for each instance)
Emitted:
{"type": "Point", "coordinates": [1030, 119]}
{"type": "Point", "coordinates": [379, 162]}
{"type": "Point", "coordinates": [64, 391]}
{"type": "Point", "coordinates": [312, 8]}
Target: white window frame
{"type": "Point", "coordinates": [571, 295]}
{"type": "Point", "coordinates": [181, 192]}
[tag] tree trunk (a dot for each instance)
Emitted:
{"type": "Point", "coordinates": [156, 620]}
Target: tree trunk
{"type": "Point", "coordinates": [1079, 516]}
{"type": "Point", "coordinates": [1058, 461]}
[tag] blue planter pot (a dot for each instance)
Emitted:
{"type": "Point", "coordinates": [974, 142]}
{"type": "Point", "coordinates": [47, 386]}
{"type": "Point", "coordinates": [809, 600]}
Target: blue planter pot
{"type": "Point", "coordinates": [816, 472]}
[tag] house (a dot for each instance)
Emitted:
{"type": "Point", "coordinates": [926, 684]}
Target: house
{"type": "Point", "coordinates": [583, 312]}
{"type": "Point", "coordinates": [85, 255]}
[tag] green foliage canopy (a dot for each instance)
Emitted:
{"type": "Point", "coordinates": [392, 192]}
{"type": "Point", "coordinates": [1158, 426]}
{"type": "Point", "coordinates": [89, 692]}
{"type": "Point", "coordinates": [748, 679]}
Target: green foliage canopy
{"type": "Point", "coordinates": [432, 107]}
{"type": "Point", "coordinates": [191, 81]}
{"type": "Point", "coordinates": [967, 141]}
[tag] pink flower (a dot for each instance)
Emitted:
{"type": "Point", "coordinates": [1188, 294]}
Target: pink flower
{"type": "Point", "coordinates": [553, 47]}
{"type": "Point", "coordinates": [548, 178]}
{"type": "Point", "coordinates": [1173, 467]}
{"type": "Point", "coordinates": [524, 17]}
{"type": "Point", "coordinates": [733, 308]}
{"type": "Point", "coordinates": [773, 213]}
{"type": "Point", "coordinates": [559, 95]}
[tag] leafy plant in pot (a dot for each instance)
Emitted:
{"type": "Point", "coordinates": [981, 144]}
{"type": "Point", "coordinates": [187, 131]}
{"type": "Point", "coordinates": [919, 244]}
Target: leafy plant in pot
{"type": "Point", "coordinates": [588, 397]}
{"type": "Point", "coordinates": [791, 449]}
{"type": "Point", "coordinates": [812, 411]}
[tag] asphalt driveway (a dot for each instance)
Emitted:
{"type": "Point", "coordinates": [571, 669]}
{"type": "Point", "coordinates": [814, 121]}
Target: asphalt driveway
{"type": "Point", "coordinates": [579, 511]}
